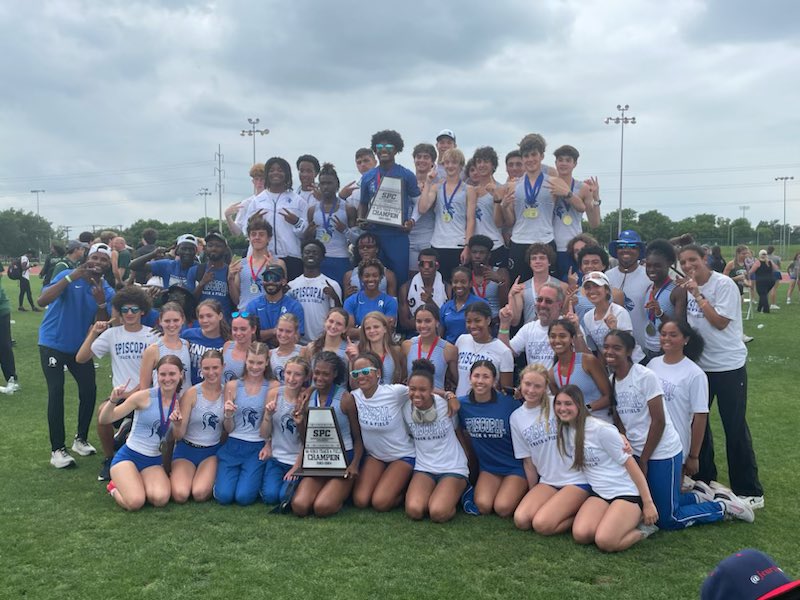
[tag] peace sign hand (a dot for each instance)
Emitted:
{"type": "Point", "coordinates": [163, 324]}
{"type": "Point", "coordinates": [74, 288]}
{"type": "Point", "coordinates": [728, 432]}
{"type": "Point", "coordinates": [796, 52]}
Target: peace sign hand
{"type": "Point", "coordinates": [289, 216]}
{"type": "Point", "coordinates": [340, 225]}
{"type": "Point", "coordinates": [348, 190]}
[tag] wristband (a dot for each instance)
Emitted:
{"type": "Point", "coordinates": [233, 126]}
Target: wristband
{"type": "Point", "coordinates": [103, 305]}
{"type": "Point", "coordinates": [503, 331]}
{"type": "Point", "coordinates": [68, 278]}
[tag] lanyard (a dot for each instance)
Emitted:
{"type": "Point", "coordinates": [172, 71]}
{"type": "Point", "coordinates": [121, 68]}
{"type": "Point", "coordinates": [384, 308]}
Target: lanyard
{"type": "Point", "coordinates": [569, 370]}
{"type": "Point", "coordinates": [651, 314]}
{"type": "Point", "coordinates": [255, 273]}
{"type": "Point", "coordinates": [448, 202]}
{"type": "Point", "coordinates": [532, 193]}
{"type": "Point", "coordinates": [482, 291]}
{"type": "Point", "coordinates": [331, 393]}
{"type": "Point", "coordinates": [430, 351]}
{"type": "Point", "coordinates": [164, 422]}
{"type": "Point", "coordinates": [326, 222]}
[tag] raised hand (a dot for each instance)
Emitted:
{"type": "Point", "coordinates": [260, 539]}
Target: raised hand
{"type": "Point", "coordinates": [289, 216]}
{"type": "Point", "coordinates": [348, 190]}
{"type": "Point", "coordinates": [557, 186]}
{"type": "Point", "coordinates": [505, 315]}
{"type": "Point", "coordinates": [340, 225]}
{"type": "Point", "coordinates": [175, 416]}
{"type": "Point", "coordinates": [230, 408]}
{"type": "Point", "coordinates": [516, 288]}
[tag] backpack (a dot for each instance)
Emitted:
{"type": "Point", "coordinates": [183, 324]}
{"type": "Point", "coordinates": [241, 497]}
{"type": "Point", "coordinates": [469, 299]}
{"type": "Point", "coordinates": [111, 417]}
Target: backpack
{"type": "Point", "coordinates": [15, 270]}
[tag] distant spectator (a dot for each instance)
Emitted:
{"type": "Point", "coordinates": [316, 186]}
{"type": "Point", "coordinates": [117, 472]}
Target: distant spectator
{"type": "Point", "coordinates": [56, 252]}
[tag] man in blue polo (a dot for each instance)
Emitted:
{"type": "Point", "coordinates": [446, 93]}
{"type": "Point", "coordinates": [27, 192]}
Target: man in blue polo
{"type": "Point", "coordinates": [394, 240]}
{"type": "Point", "coordinates": [74, 299]}
{"type": "Point", "coordinates": [273, 304]}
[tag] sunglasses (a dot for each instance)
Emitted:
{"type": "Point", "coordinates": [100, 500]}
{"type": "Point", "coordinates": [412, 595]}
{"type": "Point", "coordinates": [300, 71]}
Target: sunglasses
{"type": "Point", "coordinates": [380, 147]}
{"type": "Point", "coordinates": [243, 314]}
{"type": "Point", "coordinates": [539, 300]}
{"type": "Point", "coordinates": [365, 371]}
{"type": "Point", "coordinates": [130, 309]}
{"type": "Point", "coordinates": [627, 245]}
{"type": "Point", "coordinates": [274, 277]}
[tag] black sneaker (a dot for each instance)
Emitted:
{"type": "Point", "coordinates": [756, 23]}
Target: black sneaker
{"type": "Point", "coordinates": [22, 309]}
{"type": "Point", "coordinates": [105, 470]}
{"type": "Point", "coordinates": [122, 433]}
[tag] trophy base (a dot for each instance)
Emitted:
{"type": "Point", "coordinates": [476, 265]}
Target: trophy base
{"type": "Point", "coordinates": [321, 472]}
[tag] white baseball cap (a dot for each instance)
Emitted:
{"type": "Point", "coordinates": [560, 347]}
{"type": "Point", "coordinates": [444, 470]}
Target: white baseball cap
{"type": "Point", "coordinates": [100, 247]}
{"type": "Point", "coordinates": [597, 278]}
{"type": "Point", "coordinates": [188, 238]}
{"type": "Point", "coordinates": [446, 133]}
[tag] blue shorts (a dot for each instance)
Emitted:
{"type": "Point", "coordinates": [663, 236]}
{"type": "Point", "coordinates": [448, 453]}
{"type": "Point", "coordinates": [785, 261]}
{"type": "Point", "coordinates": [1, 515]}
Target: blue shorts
{"type": "Point", "coordinates": [584, 486]}
{"type": "Point", "coordinates": [194, 454]}
{"type": "Point", "coordinates": [437, 476]}
{"type": "Point", "coordinates": [406, 459]}
{"type": "Point", "coordinates": [778, 276]}
{"type": "Point", "coordinates": [141, 461]}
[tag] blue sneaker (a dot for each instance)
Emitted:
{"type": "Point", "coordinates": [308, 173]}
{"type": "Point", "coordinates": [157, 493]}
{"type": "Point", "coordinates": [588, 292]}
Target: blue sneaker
{"type": "Point", "coordinates": [468, 502]}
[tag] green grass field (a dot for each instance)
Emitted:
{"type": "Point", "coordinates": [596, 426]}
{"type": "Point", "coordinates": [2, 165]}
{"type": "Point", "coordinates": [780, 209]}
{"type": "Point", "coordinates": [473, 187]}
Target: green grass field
{"type": "Point", "coordinates": [64, 537]}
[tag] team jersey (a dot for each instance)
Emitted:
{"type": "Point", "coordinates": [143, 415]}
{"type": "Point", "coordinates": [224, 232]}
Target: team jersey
{"type": "Point", "coordinates": [286, 443]}
{"type": "Point", "coordinates": [126, 349]}
{"type": "Point", "coordinates": [470, 351]}
{"type": "Point", "coordinates": [437, 447]}
{"type": "Point", "coordinates": [634, 286]}
{"type": "Point", "coordinates": [487, 424]}
{"type": "Point", "coordinates": [198, 344]}
{"type": "Point", "coordinates": [453, 319]}
{"type": "Point", "coordinates": [249, 412]}
{"type": "Point", "coordinates": [171, 271]}
{"type": "Point", "coordinates": [383, 430]}
{"type": "Point", "coordinates": [359, 305]}
{"type": "Point", "coordinates": [148, 427]}
{"type": "Point", "coordinates": [205, 421]}
{"type": "Point", "coordinates": [269, 312]}
{"type": "Point", "coordinates": [533, 339]}
{"type": "Point", "coordinates": [308, 291]}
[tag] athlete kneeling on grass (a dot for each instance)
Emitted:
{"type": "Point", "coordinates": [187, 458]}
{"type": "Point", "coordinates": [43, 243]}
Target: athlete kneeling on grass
{"type": "Point", "coordinates": [239, 469]}
{"type": "Point", "coordinates": [441, 471]}
{"type": "Point", "coordinates": [137, 474]}
{"type": "Point", "coordinates": [198, 430]}
{"type": "Point", "coordinates": [556, 490]}
{"type": "Point", "coordinates": [484, 417]}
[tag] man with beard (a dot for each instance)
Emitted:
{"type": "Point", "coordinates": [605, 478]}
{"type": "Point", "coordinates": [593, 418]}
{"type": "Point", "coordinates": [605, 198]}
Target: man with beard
{"type": "Point", "coordinates": [316, 293]}
{"type": "Point", "coordinates": [533, 337]}
{"type": "Point", "coordinates": [269, 307]}
{"type": "Point", "coordinates": [172, 271]}
{"type": "Point", "coordinates": [210, 279]}
{"type": "Point", "coordinates": [631, 278]}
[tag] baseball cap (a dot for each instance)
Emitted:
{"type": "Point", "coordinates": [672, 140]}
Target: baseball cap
{"type": "Point", "coordinates": [627, 239]}
{"type": "Point", "coordinates": [100, 247]}
{"type": "Point", "coordinates": [597, 278]}
{"type": "Point", "coordinates": [73, 245]}
{"type": "Point", "coordinates": [216, 235]}
{"type": "Point", "coordinates": [188, 238]}
{"type": "Point", "coordinates": [747, 575]}
{"type": "Point", "coordinates": [446, 133]}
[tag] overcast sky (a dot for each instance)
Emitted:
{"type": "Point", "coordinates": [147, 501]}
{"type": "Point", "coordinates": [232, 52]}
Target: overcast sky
{"type": "Point", "coordinates": [116, 108]}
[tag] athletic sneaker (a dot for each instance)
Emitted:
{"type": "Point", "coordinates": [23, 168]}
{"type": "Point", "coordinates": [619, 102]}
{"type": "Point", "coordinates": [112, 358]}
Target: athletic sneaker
{"type": "Point", "coordinates": [734, 507]}
{"type": "Point", "coordinates": [747, 338]}
{"type": "Point", "coordinates": [111, 488]}
{"type": "Point", "coordinates": [788, 301]}
{"type": "Point", "coordinates": [718, 487]}
{"type": "Point", "coordinates": [105, 470]}
{"type": "Point", "coordinates": [774, 307]}
{"type": "Point", "coordinates": [83, 447]}
{"type": "Point", "coordinates": [753, 502]}
{"type": "Point", "coordinates": [12, 385]}
{"type": "Point", "coordinates": [121, 435]}
{"type": "Point", "coordinates": [702, 492]}
{"type": "Point", "coordinates": [646, 530]}
{"type": "Point", "coordinates": [468, 502]}
{"type": "Point", "coordinates": [61, 459]}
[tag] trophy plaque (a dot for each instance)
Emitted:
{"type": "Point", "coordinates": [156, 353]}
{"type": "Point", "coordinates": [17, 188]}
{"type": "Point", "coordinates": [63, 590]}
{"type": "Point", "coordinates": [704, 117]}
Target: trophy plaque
{"type": "Point", "coordinates": [386, 208]}
{"type": "Point", "coordinates": [323, 452]}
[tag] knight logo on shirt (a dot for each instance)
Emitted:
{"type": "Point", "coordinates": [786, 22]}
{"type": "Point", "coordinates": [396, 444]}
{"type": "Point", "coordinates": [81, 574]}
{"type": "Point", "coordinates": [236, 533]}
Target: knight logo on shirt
{"type": "Point", "coordinates": [380, 303]}
{"type": "Point", "coordinates": [154, 428]}
{"type": "Point", "coordinates": [478, 213]}
{"type": "Point", "coordinates": [283, 310]}
{"type": "Point", "coordinates": [288, 424]}
{"type": "Point", "coordinates": [210, 419]}
{"type": "Point", "coordinates": [412, 302]}
{"type": "Point", "coordinates": [249, 417]}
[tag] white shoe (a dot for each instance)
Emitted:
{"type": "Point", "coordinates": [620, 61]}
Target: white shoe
{"type": "Point", "coordinates": [774, 307]}
{"type": "Point", "coordinates": [718, 487]}
{"type": "Point", "coordinates": [61, 459]}
{"type": "Point", "coordinates": [788, 301]}
{"type": "Point", "coordinates": [734, 507]}
{"type": "Point", "coordinates": [646, 530]}
{"type": "Point", "coordinates": [12, 385]}
{"type": "Point", "coordinates": [83, 447]}
{"type": "Point", "coordinates": [747, 339]}
{"type": "Point", "coordinates": [754, 502]}
{"type": "Point", "coordinates": [702, 492]}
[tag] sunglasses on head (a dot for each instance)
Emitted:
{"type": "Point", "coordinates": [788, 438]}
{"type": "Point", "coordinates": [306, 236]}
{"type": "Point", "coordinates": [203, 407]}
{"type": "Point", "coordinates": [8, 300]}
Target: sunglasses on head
{"type": "Point", "coordinates": [365, 371]}
{"type": "Point", "coordinates": [130, 309]}
{"type": "Point", "coordinates": [380, 147]}
{"type": "Point", "coordinates": [243, 314]}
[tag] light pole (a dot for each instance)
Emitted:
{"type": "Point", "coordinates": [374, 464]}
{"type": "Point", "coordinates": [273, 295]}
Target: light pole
{"type": "Point", "coordinates": [37, 192]}
{"type": "Point", "coordinates": [252, 132]}
{"type": "Point", "coordinates": [622, 120]}
{"type": "Point", "coordinates": [205, 193]}
{"type": "Point", "coordinates": [783, 229]}
{"type": "Point", "coordinates": [743, 209]}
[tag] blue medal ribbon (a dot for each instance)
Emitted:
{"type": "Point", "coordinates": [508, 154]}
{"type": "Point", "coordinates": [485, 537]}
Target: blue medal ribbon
{"type": "Point", "coordinates": [532, 193]}
{"type": "Point", "coordinates": [326, 222]}
{"type": "Point", "coordinates": [564, 202]}
{"type": "Point", "coordinates": [164, 422]}
{"type": "Point", "coordinates": [331, 394]}
{"type": "Point", "coordinates": [448, 202]}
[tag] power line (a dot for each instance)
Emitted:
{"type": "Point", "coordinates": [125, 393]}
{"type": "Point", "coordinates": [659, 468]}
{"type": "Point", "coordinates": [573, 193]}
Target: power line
{"type": "Point", "coordinates": [49, 177]}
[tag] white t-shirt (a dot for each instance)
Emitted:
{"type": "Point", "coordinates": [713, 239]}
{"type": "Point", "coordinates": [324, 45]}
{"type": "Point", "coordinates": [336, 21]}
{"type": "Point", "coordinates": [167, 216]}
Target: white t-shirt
{"type": "Point", "coordinates": [634, 285]}
{"type": "Point", "coordinates": [596, 331]}
{"type": "Point", "coordinates": [126, 349]}
{"type": "Point", "coordinates": [24, 263]}
{"type": "Point", "coordinates": [383, 430]}
{"type": "Point", "coordinates": [633, 394]}
{"type": "Point", "coordinates": [535, 438]}
{"type": "Point", "coordinates": [308, 291]}
{"type": "Point", "coordinates": [685, 393]}
{"type": "Point", "coordinates": [533, 339]}
{"type": "Point", "coordinates": [437, 447]}
{"type": "Point", "coordinates": [604, 457]}
{"type": "Point", "coordinates": [469, 351]}
{"type": "Point", "coordinates": [724, 349]}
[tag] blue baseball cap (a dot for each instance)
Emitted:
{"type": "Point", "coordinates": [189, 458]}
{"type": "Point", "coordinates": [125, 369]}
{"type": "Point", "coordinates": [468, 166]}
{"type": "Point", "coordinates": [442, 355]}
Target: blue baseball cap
{"type": "Point", "coordinates": [627, 239]}
{"type": "Point", "coordinates": [747, 575]}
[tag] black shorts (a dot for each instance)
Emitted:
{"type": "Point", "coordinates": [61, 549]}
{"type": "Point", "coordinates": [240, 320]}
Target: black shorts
{"type": "Point", "coordinates": [637, 500]}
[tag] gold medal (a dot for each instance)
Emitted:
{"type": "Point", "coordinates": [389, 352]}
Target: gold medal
{"type": "Point", "coordinates": [650, 329]}
{"type": "Point", "coordinates": [325, 237]}
{"type": "Point", "coordinates": [566, 220]}
{"type": "Point", "coordinates": [447, 217]}
{"type": "Point", "coordinates": [531, 213]}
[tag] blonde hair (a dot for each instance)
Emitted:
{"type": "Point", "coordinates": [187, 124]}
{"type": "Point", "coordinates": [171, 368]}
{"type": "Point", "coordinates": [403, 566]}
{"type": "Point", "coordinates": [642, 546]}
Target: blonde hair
{"type": "Point", "coordinates": [540, 369]}
{"type": "Point", "coordinates": [363, 342]}
{"type": "Point", "coordinates": [260, 349]}
{"type": "Point", "coordinates": [456, 155]}
{"type": "Point", "coordinates": [257, 170]}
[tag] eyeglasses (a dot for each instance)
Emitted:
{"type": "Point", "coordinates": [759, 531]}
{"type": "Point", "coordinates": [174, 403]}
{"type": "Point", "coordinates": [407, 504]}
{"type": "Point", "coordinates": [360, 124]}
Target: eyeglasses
{"type": "Point", "coordinates": [365, 371]}
{"type": "Point", "coordinates": [539, 300]}
{"type": "Point", "coordinates": [380, 147]}
{"type": "Point", "coordinates": [244, 314]}
{"type": "Point", "coordinates": [130, 309]}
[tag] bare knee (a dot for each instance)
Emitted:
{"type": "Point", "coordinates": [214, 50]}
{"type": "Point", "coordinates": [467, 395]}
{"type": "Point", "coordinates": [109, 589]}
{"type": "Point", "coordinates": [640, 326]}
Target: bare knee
{"type": "Point", "coordinates": [180, 496]}
{"type": "Point", "coordinates": [326, 508]}
{"type": "Point", "coordinates": [440, 514]}
{"type": "Point", "coordinates": [543, 526]}
{"type": "Point", "coordinates": [607, 542]}
{"type": "Point", "coordinates": [159, 498]}
{"type": "Point", "coordinates": [503, 509]}
{"type": "Point", "coordinates": [201, 495]}
{"type": "Point", "coordinates": [361, 499]}
{"type": "Point", "coordinates": [522, 520]}
{"type": "Point", "coordinates": [301, 506]}
{"type": "Point", "coordinates": [383, 503]}
{"type": "Point", "coordinates": [582, 535]}
{"type": "Point", "coordinates": [415, 510]}
{"type": "Point", "coordinates": [134, 502]}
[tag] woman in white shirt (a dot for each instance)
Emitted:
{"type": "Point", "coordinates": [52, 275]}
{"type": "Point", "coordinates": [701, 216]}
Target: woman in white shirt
{"type": "Point", "coordinates": [479, 344]}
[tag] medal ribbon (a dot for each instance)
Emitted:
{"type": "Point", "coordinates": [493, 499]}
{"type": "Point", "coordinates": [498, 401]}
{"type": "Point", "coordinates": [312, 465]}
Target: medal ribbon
{"type": "Point", "coordinates": [569, 370]}
{"type": "Point", "coordinates": [532, 193]}
{"type": "Point", "coordinates": [448, 203]}
{"type": "Point", "coordinates": [255, 273]}
{"type": "Point", "coordinates": [651, 313]}
{"type": "Point", "coordinates": [482, 291]}
{"type": "Point", "coordinates": [564, 202]}
{"type": "Point", "coordinates": [331, 393]}
{"type": "Point", "coordinates": [430, 351]}
{"type": "Point", "coordinates": [164, 422]}
{"type": "Point", "coordinates": [326, 222]}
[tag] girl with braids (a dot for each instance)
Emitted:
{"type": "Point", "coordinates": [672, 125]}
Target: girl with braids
{"type": "Point", "coordinates": [578, 368]}
{"type": "Point", "coordinates": [170, 322]}
{"type": "Point", "coordinates": [324, 496]}
{"type": "Point", "coordinates": [638, 402]}
{"type": "Point", "coordinates": [137, 475]}
{"type": "Point", "coordinates": [556, 492]}
{"type": "Point", "coordinates": [479, 344]}
{"type": "Point", "coordinates": [366, 247]}
{"type": "Point", "coordinates": [281, 431]}
{"type": "Point", "coordinates": [375, 336]}
{"type": "Point", "coordinates": [620, 498]}
{"type": "Point", "coordinates": [484, 418]}
{"type": "Point", "coordinates": [330, 221]}
{"type": "Point", "coordinates": [441, 470]}
{"type": "Point", "coordinates": [244, 331]}
{"type": "Point", "coordinates": [428, 344]}
{"type": "Point", "coordinates": [453, 320]}
{"type": "Point", "coordinates": [240, 470]}
{"type": "Point", "coordinates": [197, 426]}
{"type": "Point", "coordinates": [334, 339]}
{"type": "Point", "coordinates": [212, 334]}
{"type": "Point", "coordinates": [287, 332]}
{"type": "Point", "coordinates": [390, 454]}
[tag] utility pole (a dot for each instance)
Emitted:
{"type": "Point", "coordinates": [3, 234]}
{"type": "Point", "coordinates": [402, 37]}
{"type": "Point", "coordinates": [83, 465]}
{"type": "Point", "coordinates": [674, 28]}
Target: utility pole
{"type": "Point", "coordinates": [37, 192]}
{"type": "Point", "coordinates": [220, 174]}
{"type": "Point", "coordinates": [205, 194]}
{"type": "Point", "coordinates": [253, 132]}
{"type": "Point", "coordinates": [622, 120]}
{"type": "Point", "coordinates": [743, 209]}
{"type": "Point", "coordinates": [784, 244]}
